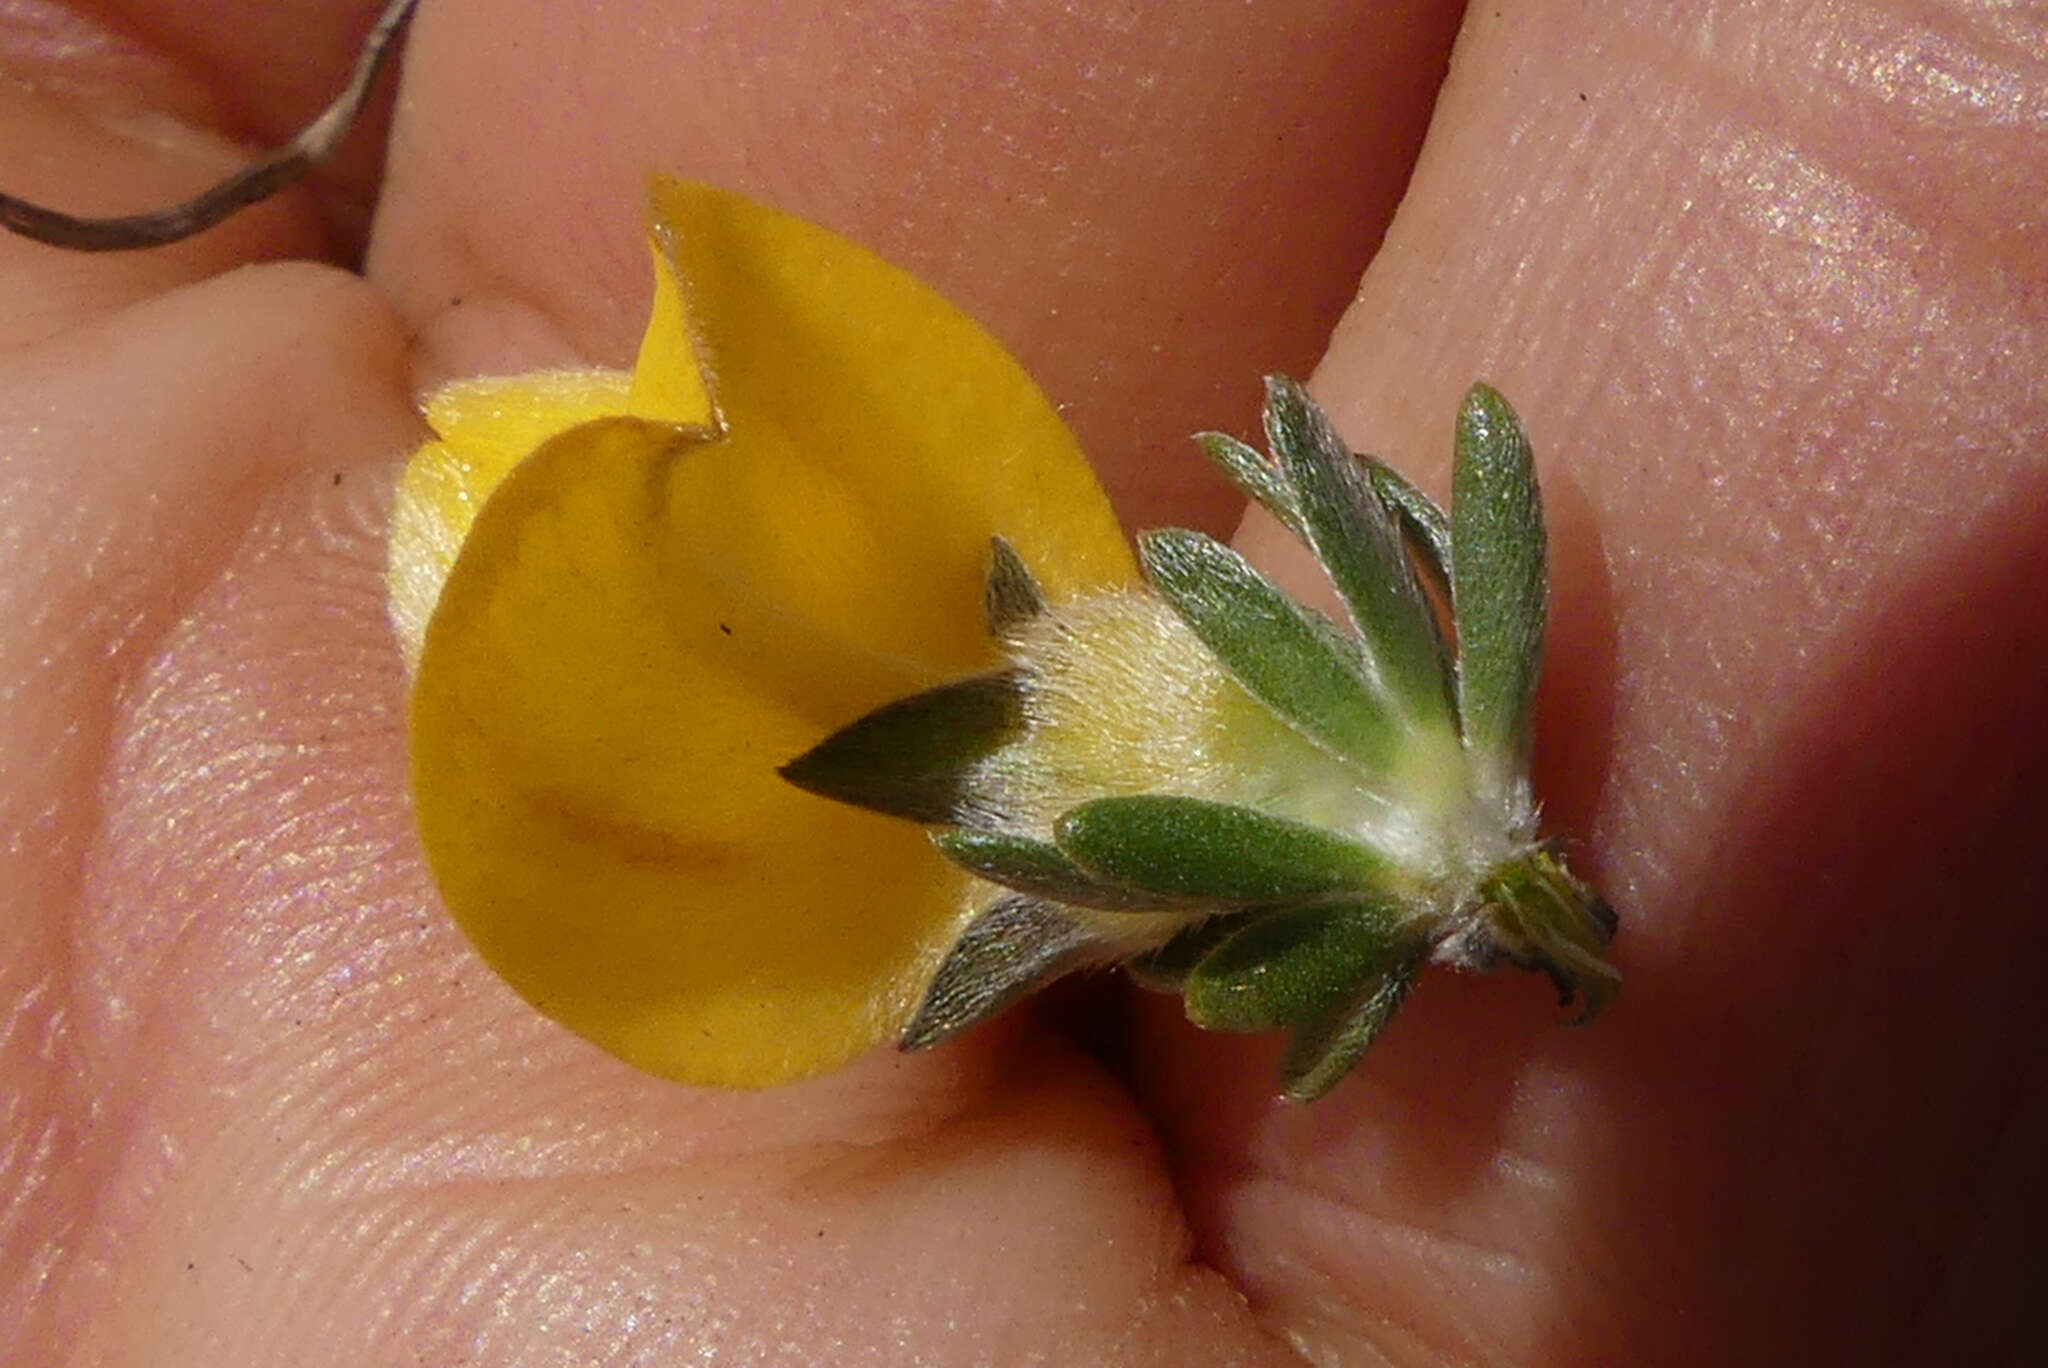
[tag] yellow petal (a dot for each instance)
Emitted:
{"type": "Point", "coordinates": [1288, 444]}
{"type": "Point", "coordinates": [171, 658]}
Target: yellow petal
{"type": "Point", "coordinates": [642, 625]}
{"type": "Point", "coordinates": [668, 382]}
{"type": "Point", "coordinates": [485, 426]}
{"type": "Point", "coordinates": [488, 424]}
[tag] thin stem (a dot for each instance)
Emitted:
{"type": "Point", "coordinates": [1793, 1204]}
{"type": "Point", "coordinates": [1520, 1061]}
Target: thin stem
{"type": "Point", "coordinates": [255, 182]}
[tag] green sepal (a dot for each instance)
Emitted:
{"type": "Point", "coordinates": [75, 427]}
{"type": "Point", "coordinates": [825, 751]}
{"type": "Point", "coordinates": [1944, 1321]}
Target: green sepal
{"type": "Point", "coordinates": [1424, 525]}
{"type": "Point", "coordinates": [1166, 969]}
{"type": "Point", "coordinates": [1360, 546]}
{"type": "Point", "coordinates": [1011, 595]}
{"type": "Point", "coordinates": [1322, 1052]}
{"type": "Point", "coordinates": [1291, 658]}
{"type": "Point", "coordinates": [1193, 848]}
{"type": "Point", "coordinates": [1042, 870]}
{"type": "Point", "coordinates": [1497, 576]}
{"type": "Point", "coordinates": [914, 758]}
{"type": "Point", "coordinates": [1253, 473]}
{"type": "Point", "coordinates": [1018, 945]}
{"type": "Point", "coordinates": [1294, 966]}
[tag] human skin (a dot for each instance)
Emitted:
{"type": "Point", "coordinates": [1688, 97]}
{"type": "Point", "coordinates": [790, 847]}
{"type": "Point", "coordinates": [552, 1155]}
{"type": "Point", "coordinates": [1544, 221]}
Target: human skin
{"type": "Point", "coordinates": [1767, 284]}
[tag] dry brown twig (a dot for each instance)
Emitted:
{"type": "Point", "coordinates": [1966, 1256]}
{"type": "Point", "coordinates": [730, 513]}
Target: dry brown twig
{"type": "Point", "coordinates": [254, 183]}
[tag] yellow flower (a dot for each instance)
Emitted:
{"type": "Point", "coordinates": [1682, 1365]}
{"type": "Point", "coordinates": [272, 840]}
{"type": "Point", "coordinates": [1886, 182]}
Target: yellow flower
{"type": "Point", "coordinates": [627, 600]}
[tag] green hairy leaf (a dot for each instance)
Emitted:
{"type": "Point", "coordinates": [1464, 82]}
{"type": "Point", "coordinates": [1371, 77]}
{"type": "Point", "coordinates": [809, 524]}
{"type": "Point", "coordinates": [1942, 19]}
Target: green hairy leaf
{"type": "Point", "coordinates": [1425, 526]}
{"type": "Point", "coordinates": [1359, 544]}
{"type": "Point", "coordinates": [1249, 469]}
{"type": "Point", "coordinates": [1290, 658]}
{"type": "Point", "coordinates": [1192, 848]}
{"type": "Point", "coordinates": [1322, 1052]}
{"type": "Point", "coordinates": [1497, 576]}
{"type": "Point", "coordinates": [1043, 871]}
{"type": "Point", "coordinates": [1293, 967]}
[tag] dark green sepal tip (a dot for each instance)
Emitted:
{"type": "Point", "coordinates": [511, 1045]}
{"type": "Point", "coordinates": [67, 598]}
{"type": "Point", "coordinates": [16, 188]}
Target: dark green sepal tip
{"type": "Point", "coordinates": [1193, 848]}
{"type": "Point", "coordinates": [1016, 946]}
{"type": "Point", "coordinates": [913, 758]}
{"type": "Point", "coordinates": [1295, 966]}
{"type": "Point", "coordinates": [1011, 595]}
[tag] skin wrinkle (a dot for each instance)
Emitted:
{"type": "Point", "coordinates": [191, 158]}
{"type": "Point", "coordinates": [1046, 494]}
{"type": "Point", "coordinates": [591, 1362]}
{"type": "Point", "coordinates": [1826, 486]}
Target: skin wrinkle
{"type": "Point", "coordinates": [471, 1149]}
{"type": "Point", "coordinates": [1764, 196]}
{"type": "Point", "coordinates": [1851, 113]}
{"type": "Point", "coordinates": [326, 1106]}
{"type": "Point", "coordinates": [1390, 1342]}
{"type": "Point", "coordinates": [609, 1140]}
{"type": "Point", "coordinates": [28, 1158]}
{"type": "Point", "coordinates": [319, 1081]}
{"type": "Point", "coordinates": [1832, 597]}
{"type": "Point", "coordinates": [137, 1181]}
{"type": "Point", "coordinates": [1339, 1160]}
{"type": "Point", "coordinates": [1745, 163]}
{"type": "Point", "coordinates": [1335, 1234]}
{"type": "Point", "coordinates": [382, 1223]}
{"type": "Point", "coordinates": [203, 774]}
{"type": "Point", "coordinates": [1947, 71]}
{"type": "Point", "coordinates": [406, 1203]}
{"type": "Point", "coordinates": [350, 1083]}
{"type": "Point", "coordinates": [1324, 1331]}
{"type": "Point", "coordinates": [1429, 1245]}
{"type": "Point", "coordinates": [101, 663]}
{"type": "Point", "coordinates": [1272, 1276]}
